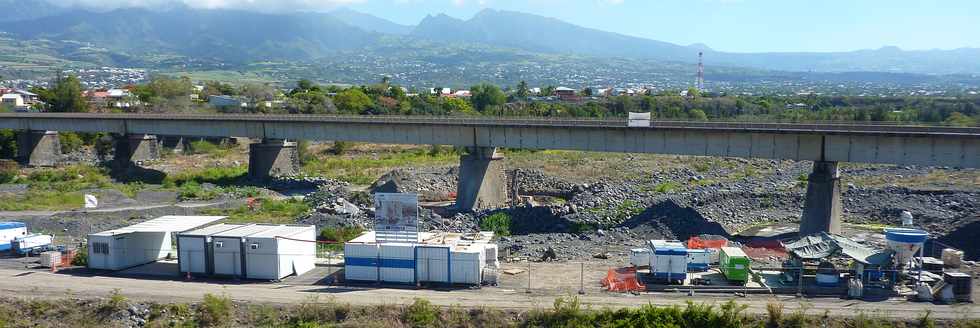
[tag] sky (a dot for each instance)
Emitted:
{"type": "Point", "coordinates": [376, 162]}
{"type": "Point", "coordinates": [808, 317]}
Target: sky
{"type": "Point", "coordinates": [725, 25]}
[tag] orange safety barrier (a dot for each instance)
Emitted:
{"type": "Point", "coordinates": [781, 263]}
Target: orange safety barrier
{"type": "Point", "coordinates": [699, 243]}
{"type": "Point", "coordinates": [622, 280]}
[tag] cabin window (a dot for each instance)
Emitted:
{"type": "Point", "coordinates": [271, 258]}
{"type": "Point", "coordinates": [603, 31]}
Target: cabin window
{"type": "Point", "coordinates": [100, 248]}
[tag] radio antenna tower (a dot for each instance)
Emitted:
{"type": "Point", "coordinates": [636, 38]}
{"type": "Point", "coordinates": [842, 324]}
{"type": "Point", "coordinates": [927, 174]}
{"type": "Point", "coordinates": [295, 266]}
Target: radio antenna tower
{"type": "Point", "coordinates": [700, 82]}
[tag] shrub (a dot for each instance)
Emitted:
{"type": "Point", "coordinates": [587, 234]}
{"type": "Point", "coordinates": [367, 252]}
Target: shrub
{"type": "Point", "coordinates": [215, 311]}
{"type": "Point", "coordinates": [666, 187]}
{"type": "Point", "coordinates": [8, 171]}
{"type": "Point", "coordinates": [421, 314]}
{"type": "Point", "coordinates": [340, 147]}
{"type": "Point", "coordinates": [499, 223]}
{"type": "Point", "coordinates": [70, 142]}
{"type": "Point", "coordinates": [81, 257]}
{"type": "Point", "coordinates": [115, 302]}
{"type": "Point", "coordinates": [775, 311]}
{"type": "Point", "coordinates": [341, 234]}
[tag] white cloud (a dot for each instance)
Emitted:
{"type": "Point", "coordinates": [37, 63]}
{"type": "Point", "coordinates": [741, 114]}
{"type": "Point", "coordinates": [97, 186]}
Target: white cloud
{"type": "Point", "coordinates": [257, 5]}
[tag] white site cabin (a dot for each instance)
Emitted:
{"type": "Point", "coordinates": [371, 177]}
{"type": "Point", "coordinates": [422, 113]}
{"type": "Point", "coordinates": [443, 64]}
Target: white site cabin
{"type": "Point", "coordinates": [194, 252]}
{"type": "Point", "coordinates": [141, 243]}
{"type": "Point", "coordinates": [228, 249]}
{"type": "Point", "coordinates": [277, 253]}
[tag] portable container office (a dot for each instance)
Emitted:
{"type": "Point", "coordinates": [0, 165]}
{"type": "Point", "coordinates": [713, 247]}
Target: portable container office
{"type": "Point", "coordinates": [140, 243]}
{"type": "Point", "coordinates": [228, 249]}
{"type": "Point", "coordinates": [640, 257]}
{"type": "Point", "coordinates": [397, 263]}
{"type": "Point", "coordinates": [277, 253]}
{"type": "Point", "coordinates": [467, 263]}
{"type": "Point", "coordinates": [195, 254]}
{"type": "Point", "coordinates": [668, 261]}
{"type": "Point", "coordinates": [698, 260]}
{"type": "Point", "coordinates": [734, 264]}
{"type": "Point", "coordinates": [9, 231]}
{"type": "Point", "coordinates": [361, 258]}
{"type": "Point", "coordinates": [445, 258]}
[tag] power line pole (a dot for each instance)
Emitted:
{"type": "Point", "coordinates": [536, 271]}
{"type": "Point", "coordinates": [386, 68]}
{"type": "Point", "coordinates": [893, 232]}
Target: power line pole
{"type": "Point", "coordinates": [700, 81]}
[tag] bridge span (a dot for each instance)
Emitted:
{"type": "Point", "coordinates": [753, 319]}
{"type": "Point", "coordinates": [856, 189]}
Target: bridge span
{"type": "Point", "coordinates": [481, 184]}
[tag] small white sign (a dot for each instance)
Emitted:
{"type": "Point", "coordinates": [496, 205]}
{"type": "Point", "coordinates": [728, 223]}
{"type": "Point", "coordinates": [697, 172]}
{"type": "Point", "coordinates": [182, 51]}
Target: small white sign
{"type": "Point", "coordinates": [91, 201]}
{"type": "Point", "coordinates": [639, 119]}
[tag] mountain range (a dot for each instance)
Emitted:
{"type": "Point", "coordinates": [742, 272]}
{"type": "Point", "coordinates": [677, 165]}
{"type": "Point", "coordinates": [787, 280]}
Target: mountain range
{"type": "Point", "coordinates": [236, 36]}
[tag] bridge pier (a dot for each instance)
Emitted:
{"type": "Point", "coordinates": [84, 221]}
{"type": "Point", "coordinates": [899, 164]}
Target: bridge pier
{"type": "Point", "coordinates": [134, 148]}
{"type": "Point", "coordinates": [482, 181]}
{"type": "Point", "coordinates": [822, 208]}
{"type": "Point", "coordinates": [38, 148]}
{"type": "Point", "coordinates": [272, 158]}
{"type": "Point", "coordinates": [178, 144]}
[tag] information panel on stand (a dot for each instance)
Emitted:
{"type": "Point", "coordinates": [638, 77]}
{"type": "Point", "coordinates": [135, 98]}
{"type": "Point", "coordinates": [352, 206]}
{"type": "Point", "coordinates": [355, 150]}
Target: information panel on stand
{"type": "Point", "coordinates": [396, 217]}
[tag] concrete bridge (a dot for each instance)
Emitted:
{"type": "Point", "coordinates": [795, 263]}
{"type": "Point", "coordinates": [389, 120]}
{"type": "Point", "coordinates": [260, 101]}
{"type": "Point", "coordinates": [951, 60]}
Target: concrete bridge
{"type": "Point", "coordinates": [481, 184]}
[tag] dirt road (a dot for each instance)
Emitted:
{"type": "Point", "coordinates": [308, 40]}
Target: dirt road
{"type": "Point", "coordinates": [27, 283]}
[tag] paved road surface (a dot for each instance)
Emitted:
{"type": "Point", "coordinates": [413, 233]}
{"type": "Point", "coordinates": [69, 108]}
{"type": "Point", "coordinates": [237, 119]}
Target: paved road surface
{"type": "Point", "coordinates": [27, 283]}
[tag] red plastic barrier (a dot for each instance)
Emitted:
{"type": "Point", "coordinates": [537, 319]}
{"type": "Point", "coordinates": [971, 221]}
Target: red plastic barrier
{"type": "Point", "coordinates": [698, 243]}
{"type": "Point", "coordinates": [622, 280]}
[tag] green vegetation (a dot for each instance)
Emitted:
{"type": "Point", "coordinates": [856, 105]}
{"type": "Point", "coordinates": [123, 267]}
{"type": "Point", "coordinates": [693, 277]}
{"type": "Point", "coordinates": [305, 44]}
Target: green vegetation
{"type": "Point", "coordinates": [81, 256]}
{"type": "Point", "coordinates": [61, 188]}
{"type": "Point", "coordinates": [666, 187]}
{"type": "Point", "coordinates": [215, 311]}
{"type": "Point", "coordinates": [421, 314]}
{"type": "Point", "coordinates": [337, 237]}
{"type": "Point", "coordinates": [214, 175]}
{"type": "Point", "coordinates": [220, 311]}
{"type": "Point", "coordinates": [265, 211]}
{"type": "Point", "coordinates": [499, 223]}
{"type": "Point", "coordinates": [210, 148]}
{"type": "Point", "coordinates": [65, 96]}
{"type": "Point", "coordinates": [8, 143]}
{"type": "Point", "coordinates": [340, 147]}
{"type": "Point", "coordinates": [8, 171]}
{"type": "Point", "coordinates": [365, 170]}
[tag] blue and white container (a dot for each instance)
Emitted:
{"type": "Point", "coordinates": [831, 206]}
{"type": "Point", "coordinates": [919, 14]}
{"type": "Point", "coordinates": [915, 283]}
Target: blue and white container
{"type": "Point", "coordinates": [668, 261]}
{"type": "Point", "coordinates": [9, 231]}
{"type": "Point", "coordinates": [698, 260]}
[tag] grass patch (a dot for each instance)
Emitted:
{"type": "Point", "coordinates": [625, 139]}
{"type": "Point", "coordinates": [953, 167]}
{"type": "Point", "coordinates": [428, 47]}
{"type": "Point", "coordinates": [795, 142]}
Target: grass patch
{"type": "Point", "coordinates": [211, 149]}
{"type": "Point", "coordinates": [221, 176]}
{"type": "Point", "coordinates": [42, 200]}
{"type": "Point", "coordinates": [267, 211]}
{"type": "Point", "coordinates": [215, 311]}
{"type": "Point", "coordinates": [499, 223]}
{"type": "Point", "coordinates": [363, 170]}
{"type": "Point", "coordinates": [666, 187]}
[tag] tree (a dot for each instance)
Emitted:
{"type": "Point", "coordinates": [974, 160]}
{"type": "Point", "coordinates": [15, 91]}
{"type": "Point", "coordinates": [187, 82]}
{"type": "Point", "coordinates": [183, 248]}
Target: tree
{"type": "Point", "coordinates": [958, 119]}
{"type": "Point", "coordinates": [311, 102]}
{"type": "Point", "coordinates": [522, 91]}
{"type": "Point", "coordinates": [693, 92]}
{"type": "Point", "coordinates": [457, 106]}
{"type": "Point", "coordinates": [353, 101]}
{"type": "Point", "coordinates": [66, 96]}
{"type": "Point", "coordinates": [698, 115]}
{"type": "Point", "coordinates": [486, 95]}
{"type": "Point", "coordinates": [304, 85]}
